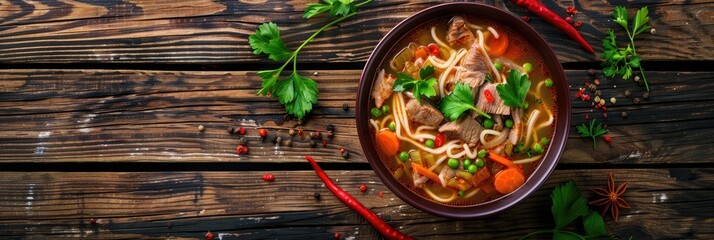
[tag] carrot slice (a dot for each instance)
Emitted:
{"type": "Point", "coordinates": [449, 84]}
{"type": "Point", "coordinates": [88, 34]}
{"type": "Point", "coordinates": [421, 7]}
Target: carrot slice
{"type": "Point", "coordinates": [508, 180]}
{"type": "Point", "coordinates": [426, 173]}
{"type": "Point", "coordinates": [501, 160]}
{"type": "Point", "coordinates": [497, 47]}
{"type": "Point", "coordinates": [421, 52]}
{"type": "Point", "coordinates": [388, 142]}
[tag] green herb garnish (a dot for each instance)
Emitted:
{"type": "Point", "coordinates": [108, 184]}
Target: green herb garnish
{"type": "Point", "coordinates": [569, 205]}
{"type": "Point", "coordinates": [420, 87]}
{"type": "Point", "coordinates": [297, 93]}
{"type": "Point", "coordinates": [621, 61]}
{"type": "Point", "coordinates": [514, 91]}
{"type": "Point", "coordinates": [591, 131]}
{"type": "Point", "coordinates": [459, 101]}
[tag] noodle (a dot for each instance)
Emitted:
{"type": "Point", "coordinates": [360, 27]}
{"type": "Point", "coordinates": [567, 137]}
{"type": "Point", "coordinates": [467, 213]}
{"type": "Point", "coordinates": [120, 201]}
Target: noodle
{"type": "Point", "coordinates": [440, 199]}
{"type": "Point", "coordinates": [424, 127]}
{"type": "Point", "coordinates": [385, 121]}
{"type": "Point", "coordinates": [397, 110]}
{"type": "Point", "coordinates": [527, 160]}
{"type": "Point", "coordinates": [510, 64]}
{"type": "Point", "coordinates": [488, 59]}
{"type": "Point", "coordinates": [375, 125]}
{"type": "Point", "coordinates": [447, 72]}
{"type": "Point", "coordinates": [443, 64]}
{"type": "Point", "coordinates": [438, 41]}
{"type": "Point", "coordinates": [500, 137]}
{"type": "Point", "coordinates": [437, 163]}
{"type": "Point", "coordinates": [493, 31]}
{"type": "Point", "coordinates": [529, 129]}
{"type": "Point", "coordinates": [400, 111]}
{"type": "Point", "coordinates": [472, 193]}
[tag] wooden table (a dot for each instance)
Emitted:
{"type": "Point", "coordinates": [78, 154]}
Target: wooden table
{"type": "Point", "coordinates": [100, 103]}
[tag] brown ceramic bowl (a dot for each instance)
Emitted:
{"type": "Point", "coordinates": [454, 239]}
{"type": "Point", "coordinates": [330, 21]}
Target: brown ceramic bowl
{"type": "Point", "coordinates": [557, 144]}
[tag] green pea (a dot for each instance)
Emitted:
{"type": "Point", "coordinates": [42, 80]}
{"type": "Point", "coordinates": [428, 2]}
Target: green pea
{"type": "Point", "coordinates": [509, 123]}
{"type": "Point", "coordinates": [461, 193]}
{"type": "Point", "coordinates": [518, 148]}
{"type": "Point", "coordinates": [467, 163]}
{"type": "Point", "coordinates": [429, 143]}
{"type": "Point", "coordinates": [488, 123]}
{"type": "Point", "coordinates": [528, 67]}
{"type": "Point", "coordinates": [482, 153]}
{"type": "Point", "coordinates": [548, 82]}
{"type": "Point", "coordinates": [453, 163]}
{"type": "Point", "coordinates": [525, 105]}
{"type": "Point", "coordinates": [537, 148]}
{"type": "Point", "coordinates": [392, 126]}
{"type": "Point", "coordinates": [404, 156]}
{"type": "Point", "coordinates": [376, 112]}
{"type": "Point", "coordinates": [544, 141]}
{"type": "Point", "coordinates": [479, 163]}
{"type": "Point", "coordinates": [385, 109]}
{"type": "Point", "coordinates": [472, 169]}
{"type": "Point", "coordinates": [498, 66]}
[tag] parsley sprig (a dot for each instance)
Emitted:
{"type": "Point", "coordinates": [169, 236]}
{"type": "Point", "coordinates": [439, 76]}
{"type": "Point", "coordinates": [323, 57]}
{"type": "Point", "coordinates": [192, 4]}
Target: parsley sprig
{"type": "Point", "coordinates": [459, 101]}
{"type": "Point", "coordinates": [569, 205]}
{"type": "Point", "coordinates": [297, 93]}
{"type": "Point", "coordinates": [591, 130]}
{"type": "Point", "coordinates": [515, 90]}
{"type": "Point", "coordinates": [420, 87]}
{"type": "Point", "coordinates": [621, 61]}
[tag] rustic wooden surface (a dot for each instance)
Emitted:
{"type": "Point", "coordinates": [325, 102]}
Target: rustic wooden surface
{"type": "Point", "coordinates": [100, 103]}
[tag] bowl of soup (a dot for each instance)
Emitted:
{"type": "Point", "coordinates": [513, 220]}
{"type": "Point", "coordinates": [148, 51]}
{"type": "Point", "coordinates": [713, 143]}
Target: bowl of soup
{"type": "Point", "coordinates": [463, 110]}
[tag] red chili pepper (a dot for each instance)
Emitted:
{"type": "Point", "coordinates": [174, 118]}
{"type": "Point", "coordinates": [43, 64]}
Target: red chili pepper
{"type": "Point", "coordinates": [489, 95]}
{"type": "Point", "coordinates": [433, 49]}
{"type": "Point", "coordinates": [241, 131]}
{"type": "Point", "coordinates": [383, 228]}
{"type": "Point", "coordinates": [439, 140]}
{"type": "Point", "coordinates": [268, 177]}
{"type": "Point", "coordinates": [536, 7]}
{"type": "Point", "coordinates": [262, 132]}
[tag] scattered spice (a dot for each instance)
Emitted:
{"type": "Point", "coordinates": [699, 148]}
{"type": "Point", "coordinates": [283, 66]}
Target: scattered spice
{"type": "Point", "coordinates": [342, 150]}
{"type": "Point", "coordinates": [636, 100]}
{"type": "Point", "coordinates": [624, 115]}
{"type": "Point", "coordinates": [598, 93]}
{"type": "Point", "coordinates": [300, 131]}
{"type": "Point", "coordinates": [292, 132]}
{"type": "Point", "coordinates": [591, 72]}
{"type": "Point", "coordinates": [230, 130]}
{"type": "Point", "coordinates": [315, 74]}
{"type": "Point", "coordinates": [274, 139]}
{"type": "Point", "coordinates": [611, 198]}
{"type": "Point", "coordinates": [338, 236]}
{"type": "Point", "coordinates": [525, 18]}
{"type": "Point", "coordinates": [209, 235]}
{"type": "Point", "coordinates": [627, 93]}
{"type": "Point", "coordinates": [268, 177]}
{"type": "Point", "coordinates": [381, 194]}
{"type": "Point", "coordinates": [345, 107]}
{"type": "Point", "coordinates": [201, 128]}
{"type": "Point", "coordinates": [646, 95]}
{"type": "Point", "coordinates": [607, 138]}
{"type": "Point", "coordinates": [242, 141]}
{"type": "Point", "coordinates": [324, 143]}
{"type": "Point", "coordinates": [93, 221]}
{"type": "Point", "coordinates": [313, 144]}
{"type": "Point", "coordinates": [317, 196]}
{"type": "Point", "coordinates": [383, 228]}
{"type": "Point", "coordinates": [604, 115]}
{"type": "Point", "coordinates": [289, 143]}
{"type": "Point", "coordinates": [536, 7]}
{"type": "Point", "coordinates": [571, 10]}
{"type": "Point", "coordinates": [242, 149]}
{"type": "Point", "coordinates": [592, 87]}
{"type": "Point", "coordinates": [263, 132]}
{"type": "Point", "coordinates": [613, 100]}
{"type": "Point", "coordinates": [569, 19]}
{"type": "Point", "coordinates": [330, 127]}
{"type": "Point", "coordinates": [278, 140]}
{"type": "Point", "coordinates": [362, 188]}
{"type": "Point", "coordinates": [596, 82]}
{"type": "Point", "coordinates": [241, 131]}
{"type": "Point", "coordinates": [346, 155]}
{"type": "Point", "coordinates": [330, 134]}
{"type": "Point", "coordinates": [577, 24]}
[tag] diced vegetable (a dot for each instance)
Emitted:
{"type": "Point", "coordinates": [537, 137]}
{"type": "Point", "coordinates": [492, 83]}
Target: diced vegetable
{"type": "Point", "coordinates": [388, 142]}
{"type": "Point", "coordinates": [501, 160]}
{"type": "Point", "coordinates": [480, 176]}
{"type": "Point", "coordinates": [398, 173]}
{"type": "Point", "coordinates": [415, 157]}
{"type": "Point", "coordinates": [425, 172]}
{"type": "Point", "coordinates": [498, 65]}
{"type": "Point", "coordinates": [488, 123]}
{"type": "Point", "coordinates": [482, 153]}
{"type": "Point", "coordinates": [544, 141]}
{"type": "Point", "coordinates": [464, 174]}
{"type": "Point", "coordinates": [385, 109]}
{"type": "Point", "coordinates": [428, 159]}
{"type": "Point", "coordinates": [497, 47]}
{"type": "Point", "coordinates": [458, 184]}
{"type": "Point", "coordinates": [402, 57]}
{"type": "Point", "coordinates": [421, 52]}
{"type": "Point", "coordinates": [434, 50]}
{"type": "Point", "coordinates": [467, 163]}
{"type": "Point", "coordinates": [479, 162]}
{"type": "Point", "coordinates": [548, 82]}
{"type": "Point", "coordinates": [537, 148]}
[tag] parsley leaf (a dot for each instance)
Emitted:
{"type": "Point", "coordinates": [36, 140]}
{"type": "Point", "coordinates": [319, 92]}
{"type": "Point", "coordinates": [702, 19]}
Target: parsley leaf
{"type": "Point", "coordinates": [620, 16]}
{"type": "Point", "coordinates": [335, 7]}
{"type": "Point", "coordinates": [591, 130]}
{"type": "Point", "coordinates": [267, 40]}
{"type": "Point", "coordinates": [567, 204]}
{"type": "Point", "coordinates": [641, 18]}
{"type": "Point", "coordinates": [514, 91]}
{"type": "Point", "coordinates": [594, 225]}
{"type": "Point", "coordinates": [295, 92]}
{"type": "Point", "coordinates": [420, 88]}
{"type": "Point", "coordinates": [621, 61]}
{"type": "Point", "coordinates": [459, 101]}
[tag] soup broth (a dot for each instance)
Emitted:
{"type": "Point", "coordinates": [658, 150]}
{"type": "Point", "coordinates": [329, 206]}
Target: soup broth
{"type": "Point", "coordinates": [494, 145]}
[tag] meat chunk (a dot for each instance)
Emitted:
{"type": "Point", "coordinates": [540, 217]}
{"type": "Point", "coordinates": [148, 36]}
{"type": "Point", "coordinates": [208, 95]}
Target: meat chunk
{"type": "Point", "coordinates": [473, 68]}
{"type": "Point", "coordinates": [497, 106]}
{"type": "Point", "coordinates": [424, 114]}
{"type": "Point", "coordinates": [382, 88]}
{"type": "Point", "coordinates": [459, 33]}
{"type": "Point", "coordinates": [467, 130]}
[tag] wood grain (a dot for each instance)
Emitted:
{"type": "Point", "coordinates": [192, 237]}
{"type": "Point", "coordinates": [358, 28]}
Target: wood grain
{"type": "Point", "coordinates": [241, 205]}
{"type": "Point", "coordinates": [211, 32]}
{"type": "Point", "coordinates": [153, 116]}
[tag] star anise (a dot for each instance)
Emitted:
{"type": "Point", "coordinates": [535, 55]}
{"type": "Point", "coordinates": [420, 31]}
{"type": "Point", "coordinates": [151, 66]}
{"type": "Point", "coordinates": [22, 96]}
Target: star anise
{"type": "Point", "coordinates": [611, 198]}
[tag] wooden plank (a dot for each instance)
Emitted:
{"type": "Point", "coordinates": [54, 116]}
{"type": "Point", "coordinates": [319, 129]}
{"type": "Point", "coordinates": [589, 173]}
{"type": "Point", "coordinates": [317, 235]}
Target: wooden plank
{"type": "Point", "coordinates": [210, 32]}
{"type": "Point", "coordinates": [240, 204]}
{"type": "Point", "coordinates": [153, 116]}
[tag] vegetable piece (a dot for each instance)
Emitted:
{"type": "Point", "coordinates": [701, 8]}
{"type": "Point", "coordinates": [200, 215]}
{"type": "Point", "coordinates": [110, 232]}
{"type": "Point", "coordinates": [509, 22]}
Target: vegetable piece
{"type": "Point", "coordinates": [464, 174]}
{"type": "Point", "coordinates": [434, 50]}
{"type": "Point", "coordinates": [480, 176]}
{"type": "Point", "coordinates": [392, 127]}
{"type": "Point", "coordinates": [295, 92]}
{"type": "Point", "coordinates": [385, 109]}
{"type": "Point", "coordinates": [621, 61]}
{"type": "Point", "coordinates": [429, 143]}
{"type": "Point", "coordinates": [383, 228]}
{"type": "Point", "coordinates": [472, 169]}
{"type": "Point", "coordinates": [482, 153]}
{"type": "Point", "coordinates": [453, 163]}
{"type": "Point", "coordinates": [420, 88]}
{"type": "Point", "coordinates": [488, 123]}
{"type": "Point", "coordinates": [536, 7]}
{"type": "Point", "coordinates": [548, 82]}
{"type": "Point", "coordinates": [528, 67]}
{"type": "Point", "coordinates": [467, 163]}
{"type": "Point", "coordinates": [421, 52]}
{"type": "Point", "coordinates": [497, 47]}
{"type": "Point", "coordinates": [514, 91]}
{"type": "Point", "coordinates": [501, 160]}
{"type": "Point", "coordinates": [508, 180]}
{"type": "Point", "coordinates": [421, 170]}
{"type": "Point", "coordinates": [388, 142]}
{"type": "Point", "coordinates": [537, 148]}
{"type": "Point", "coordinates": [458, 184]}
{"type": "Point", "coordinates": [459, 101]}
{"type": "Point", "coordinates": [498, 66]}
{"type": "Point", "coordinates": [376, 112]}
{"type": "Point", "coordinates": [439, 140]}
{"type": "Point", "coordinates": [415, 157]}
{"type": "Point", "coordinates": [428, 159]}
{"type": "Point", "coordinates": [479, 162]}
{"type": "Point", "coordinates": [591, 130]}
{"type": "Point", "coordinates": [489, 96]}
{"type": "Point", "coordinates": [403, 156]}
{"type": "Point", "coordinates": [544, 141]}
{"type": "Point", "coordinates": [508, 123]}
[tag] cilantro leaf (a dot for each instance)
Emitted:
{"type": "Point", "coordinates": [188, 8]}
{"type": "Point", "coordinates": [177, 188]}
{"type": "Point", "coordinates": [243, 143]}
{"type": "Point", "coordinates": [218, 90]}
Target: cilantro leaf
{"type": "Point", "coordinates": [620, 16]}
{"type": "Point", "coordinates": [420, 88]}
{"type": "Point", "coordinates": [270, 77]}
{"type": "Point", "coordinates": [567, 204]}
{"type": "Point", "coordinates": [267, 40]}
{"type": "Point", "coordinates": [591, 130]}
{"type": "Point", "coordinates": [594, 225]}
{"type": "Point", "coordinates": [514, 91]}
{"type": "Point", "coordinates": [335, 7]}
{"type": "Point", "coordinates": [297, 93]}
{"type": "Point", "coordinates": [426, 71]}
{"type": "Point", "coordinates": [459, 101]}
{"type": "Point", "coordinates": [641, 18]}
{"type": "Point", "coordinates": [313, 9]}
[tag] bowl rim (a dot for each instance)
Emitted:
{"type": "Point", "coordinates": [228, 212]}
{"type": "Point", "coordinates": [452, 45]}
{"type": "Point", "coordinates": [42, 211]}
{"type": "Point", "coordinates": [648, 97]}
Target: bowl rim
{"type": "Point", "coordinates": [555, 149]}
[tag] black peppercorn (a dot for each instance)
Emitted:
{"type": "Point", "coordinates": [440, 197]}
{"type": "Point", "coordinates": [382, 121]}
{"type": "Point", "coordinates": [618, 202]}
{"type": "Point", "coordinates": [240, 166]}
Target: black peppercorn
{"type": "Point", "coordinates": [313, 143]}
{"type": "Point", "coordinates": [242, 141]}
{"type": "Point", "coordinates": [345, 154]}
{"type": "Point", "coordinates": [317, 196]}
{"type": "Point", "coordinates": [274, 139]}
{"type": "Point", "coordinates": [330, 127]}
{"type": "Point", "coordinates": [289, 143]}
{"type": "Point", "coordinates": [636, 100]}
{"type": "Point", "coordinates": [591, 72]}
{"type": "Point", "coordinates": [624, 115]}
{"type": "Point", "coordinates": [230, 130]}
{"type": "Point", "coordinates": [345, 107]}
{"type": "Point", "coordinates": [330, 134]}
